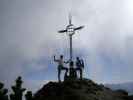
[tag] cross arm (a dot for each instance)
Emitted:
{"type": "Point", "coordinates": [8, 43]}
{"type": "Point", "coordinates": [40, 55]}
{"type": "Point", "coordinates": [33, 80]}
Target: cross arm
{"type": "Point", "coordinates": [62, 31]}
{"type": "Point", "coordinates": [78, 28]}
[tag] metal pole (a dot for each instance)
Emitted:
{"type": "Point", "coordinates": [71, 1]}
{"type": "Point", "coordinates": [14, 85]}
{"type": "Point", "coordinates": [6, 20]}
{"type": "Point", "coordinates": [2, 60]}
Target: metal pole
{"type": "Point", "coordinates": [71, 55]}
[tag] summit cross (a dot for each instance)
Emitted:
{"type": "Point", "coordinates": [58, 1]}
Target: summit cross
{"type": "Point", "coordinates": [70, 30]}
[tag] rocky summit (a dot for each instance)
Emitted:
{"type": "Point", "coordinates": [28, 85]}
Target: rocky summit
{"type": "Point", "coordinates": [77, 89]}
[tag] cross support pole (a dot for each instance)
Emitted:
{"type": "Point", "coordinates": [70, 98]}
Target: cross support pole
{"type": "Point", "coordinates": [71, 51]}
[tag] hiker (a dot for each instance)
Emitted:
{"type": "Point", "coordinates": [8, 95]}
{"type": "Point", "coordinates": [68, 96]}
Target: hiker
{"type": "Point", "coordinates": [73, 73]}
{"type": "Point", "coordinates": [79, 66]}
{"type": "Point", "coordinates": [61, 66]}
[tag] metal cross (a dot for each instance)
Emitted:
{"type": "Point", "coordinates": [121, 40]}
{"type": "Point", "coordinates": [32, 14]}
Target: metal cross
{"type": "Point", "coordinates": [70, 30]}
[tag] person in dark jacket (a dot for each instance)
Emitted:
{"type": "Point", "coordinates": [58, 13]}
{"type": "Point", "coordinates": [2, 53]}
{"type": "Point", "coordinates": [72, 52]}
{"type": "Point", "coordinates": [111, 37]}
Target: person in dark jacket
{"type": "Point", "coordinates": [80, 66]}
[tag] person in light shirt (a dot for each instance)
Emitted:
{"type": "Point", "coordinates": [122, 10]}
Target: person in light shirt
{"type": "Point", "coordinates": [61, 62]}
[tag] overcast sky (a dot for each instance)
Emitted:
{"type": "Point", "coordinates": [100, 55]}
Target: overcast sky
{"type": "Point", "coordinates": [29, 39]}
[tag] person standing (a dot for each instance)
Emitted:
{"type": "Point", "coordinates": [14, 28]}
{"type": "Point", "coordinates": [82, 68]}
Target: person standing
{"type": "Point", "coordinates": [61, 66]}
{"type": "Point", "coordinates": [79, 66]}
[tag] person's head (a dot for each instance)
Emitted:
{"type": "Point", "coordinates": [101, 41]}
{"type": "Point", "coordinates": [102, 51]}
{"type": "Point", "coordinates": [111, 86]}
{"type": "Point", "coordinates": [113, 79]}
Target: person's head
{"type": "Point", "coordinates": [1, 85]}
{"type": "Point", "coordinates": [61, 56]}
{"type": "Point", "coordinates": [71, 63]}
{"type": "Point", "coordinates": [77, 58]}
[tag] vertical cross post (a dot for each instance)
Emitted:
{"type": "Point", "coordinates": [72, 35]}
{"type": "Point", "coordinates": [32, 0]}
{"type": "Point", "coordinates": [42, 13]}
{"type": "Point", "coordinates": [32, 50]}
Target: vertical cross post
{"type": "Point", "coordinates": [71, 50]}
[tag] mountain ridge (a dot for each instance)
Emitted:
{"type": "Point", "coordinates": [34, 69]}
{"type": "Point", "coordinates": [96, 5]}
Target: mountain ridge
{"type": "Point", "coordinates": [79, 90]}
{"type": "Point", "coordinates": [128, 86]}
